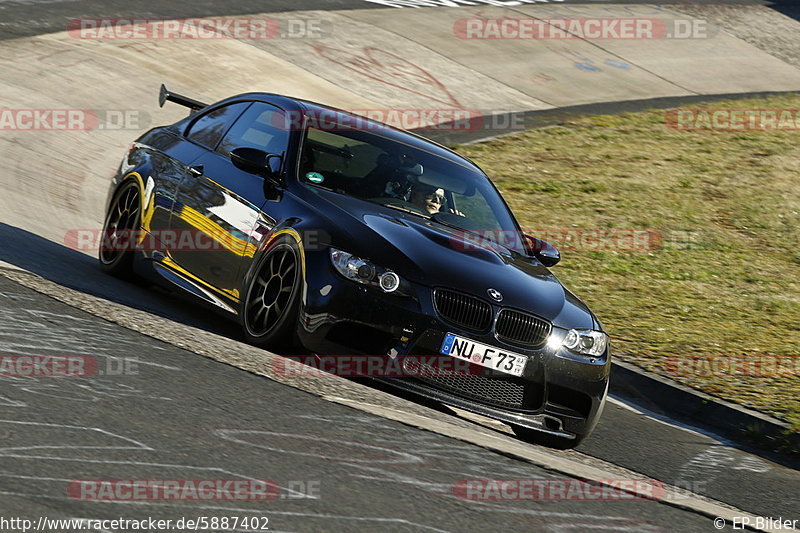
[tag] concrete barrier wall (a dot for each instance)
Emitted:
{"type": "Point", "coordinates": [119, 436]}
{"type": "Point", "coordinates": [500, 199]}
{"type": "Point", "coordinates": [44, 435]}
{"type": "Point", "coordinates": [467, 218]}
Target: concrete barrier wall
{"type": "Point", "coordinates": [566, 72]}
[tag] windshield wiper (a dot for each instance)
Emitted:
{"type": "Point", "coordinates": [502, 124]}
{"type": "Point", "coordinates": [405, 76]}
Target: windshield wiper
{"type": "Point", "coordinates": [481, 240]}
{"type": "Point", "coordinates": [406, 210]}
{"type": "Point", "coordinates": [449, 225]}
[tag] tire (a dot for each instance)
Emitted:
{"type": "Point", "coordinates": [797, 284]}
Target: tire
{"type": "Point", "coordinates": [546, 439]}
{"type": "Point", "coordinates": [272, 297]}
{"type": "Point", "coordinates": [122, 220]}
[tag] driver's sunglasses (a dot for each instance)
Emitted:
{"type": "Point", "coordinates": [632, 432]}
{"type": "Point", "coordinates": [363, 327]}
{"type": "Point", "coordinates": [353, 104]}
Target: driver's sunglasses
{"type": "Point", "coordinates": [435, 197]}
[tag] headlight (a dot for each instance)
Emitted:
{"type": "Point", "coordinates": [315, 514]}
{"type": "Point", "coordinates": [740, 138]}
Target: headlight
{"type": "Point", "coordinates": [586, 342]}
{"type": "Point", "coordinates": [362, 271]}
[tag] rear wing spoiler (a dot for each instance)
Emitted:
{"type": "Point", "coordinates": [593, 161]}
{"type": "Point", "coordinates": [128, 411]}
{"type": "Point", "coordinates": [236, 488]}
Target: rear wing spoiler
{"type": "Point", "coordinates": [164, 95]}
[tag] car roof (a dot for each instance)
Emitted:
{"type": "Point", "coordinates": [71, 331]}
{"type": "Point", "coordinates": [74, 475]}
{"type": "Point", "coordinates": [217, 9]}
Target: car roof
{"type": "Point", "coordinates": [312, 109]}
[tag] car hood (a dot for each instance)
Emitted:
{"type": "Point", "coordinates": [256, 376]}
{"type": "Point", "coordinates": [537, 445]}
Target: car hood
{"type": "Point", "coordinates": [435, 255]}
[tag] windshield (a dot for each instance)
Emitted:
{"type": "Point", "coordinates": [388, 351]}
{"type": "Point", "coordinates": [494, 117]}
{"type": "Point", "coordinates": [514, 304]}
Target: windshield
{"type": "Point", "coordinates": [384, 171]}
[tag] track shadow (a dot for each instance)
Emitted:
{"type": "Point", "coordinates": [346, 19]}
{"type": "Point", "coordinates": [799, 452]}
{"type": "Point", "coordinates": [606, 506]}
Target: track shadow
{"type": "Point", "coordinates": [70, 268]}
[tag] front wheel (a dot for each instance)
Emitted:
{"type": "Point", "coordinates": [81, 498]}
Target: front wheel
{"type": "Point", "coordinates": [269, 309]}
{"type": "Point", "coordinates": [119, 230]}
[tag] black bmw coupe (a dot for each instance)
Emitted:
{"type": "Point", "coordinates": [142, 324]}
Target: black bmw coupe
{"type": "Point", "coordinates": [314, 226]}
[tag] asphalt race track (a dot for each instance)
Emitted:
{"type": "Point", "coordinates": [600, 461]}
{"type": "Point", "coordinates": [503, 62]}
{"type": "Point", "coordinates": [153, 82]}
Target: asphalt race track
{"type": "Point", "coordinates": [347, 457]}
{"type": "Point", "coordinates": [180, 416]}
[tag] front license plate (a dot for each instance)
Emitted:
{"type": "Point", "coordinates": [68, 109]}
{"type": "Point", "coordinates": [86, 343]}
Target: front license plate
{"type": "Point", "coordinates": [483, 354]}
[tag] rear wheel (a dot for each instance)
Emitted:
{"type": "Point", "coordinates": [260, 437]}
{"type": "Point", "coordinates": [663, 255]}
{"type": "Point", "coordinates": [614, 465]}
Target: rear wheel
{"type": "Point", "coordinates": [546, 439]}
{"type": "Point", "coordinates": [269, 309]}
{"type": "Point", "coordinates": [121, 225]}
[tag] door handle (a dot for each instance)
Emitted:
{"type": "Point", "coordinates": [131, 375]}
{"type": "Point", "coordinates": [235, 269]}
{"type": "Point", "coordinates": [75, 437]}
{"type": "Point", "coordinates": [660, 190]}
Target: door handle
{"type": "Point", "coordinates": [196, 171]}
{"type": "Point", "coordinates": [264, 223]}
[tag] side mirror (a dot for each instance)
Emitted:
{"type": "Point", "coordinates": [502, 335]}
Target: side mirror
{"type": "Point", "coordinates": [543, 251]}
{"type": "Point", "coordinates": [255, 161]}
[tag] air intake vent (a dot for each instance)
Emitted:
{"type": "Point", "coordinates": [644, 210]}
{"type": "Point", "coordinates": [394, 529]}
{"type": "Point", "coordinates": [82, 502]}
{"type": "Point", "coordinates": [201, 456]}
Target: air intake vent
{"type": "Point", "coordinates": [507, 393]}
{"type": "Point", "coordinates": [521, 328]}
{"type": "Point", "coordinates": [462, 310]}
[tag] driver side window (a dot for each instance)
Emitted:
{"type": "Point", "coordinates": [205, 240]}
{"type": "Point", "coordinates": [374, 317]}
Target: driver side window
{"type": "Point", "coordinates": [209, 129]}
{"type": "Point", "coordinates": [262, 126]}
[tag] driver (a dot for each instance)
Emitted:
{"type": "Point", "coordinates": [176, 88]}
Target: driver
{"type": "Point", "coordinates": [429, 199]}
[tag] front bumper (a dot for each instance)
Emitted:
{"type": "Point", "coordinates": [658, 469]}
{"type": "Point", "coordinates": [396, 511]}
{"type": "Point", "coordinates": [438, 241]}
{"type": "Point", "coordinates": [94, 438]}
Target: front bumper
{"type": "Point", "coordinates": [559, 393]}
